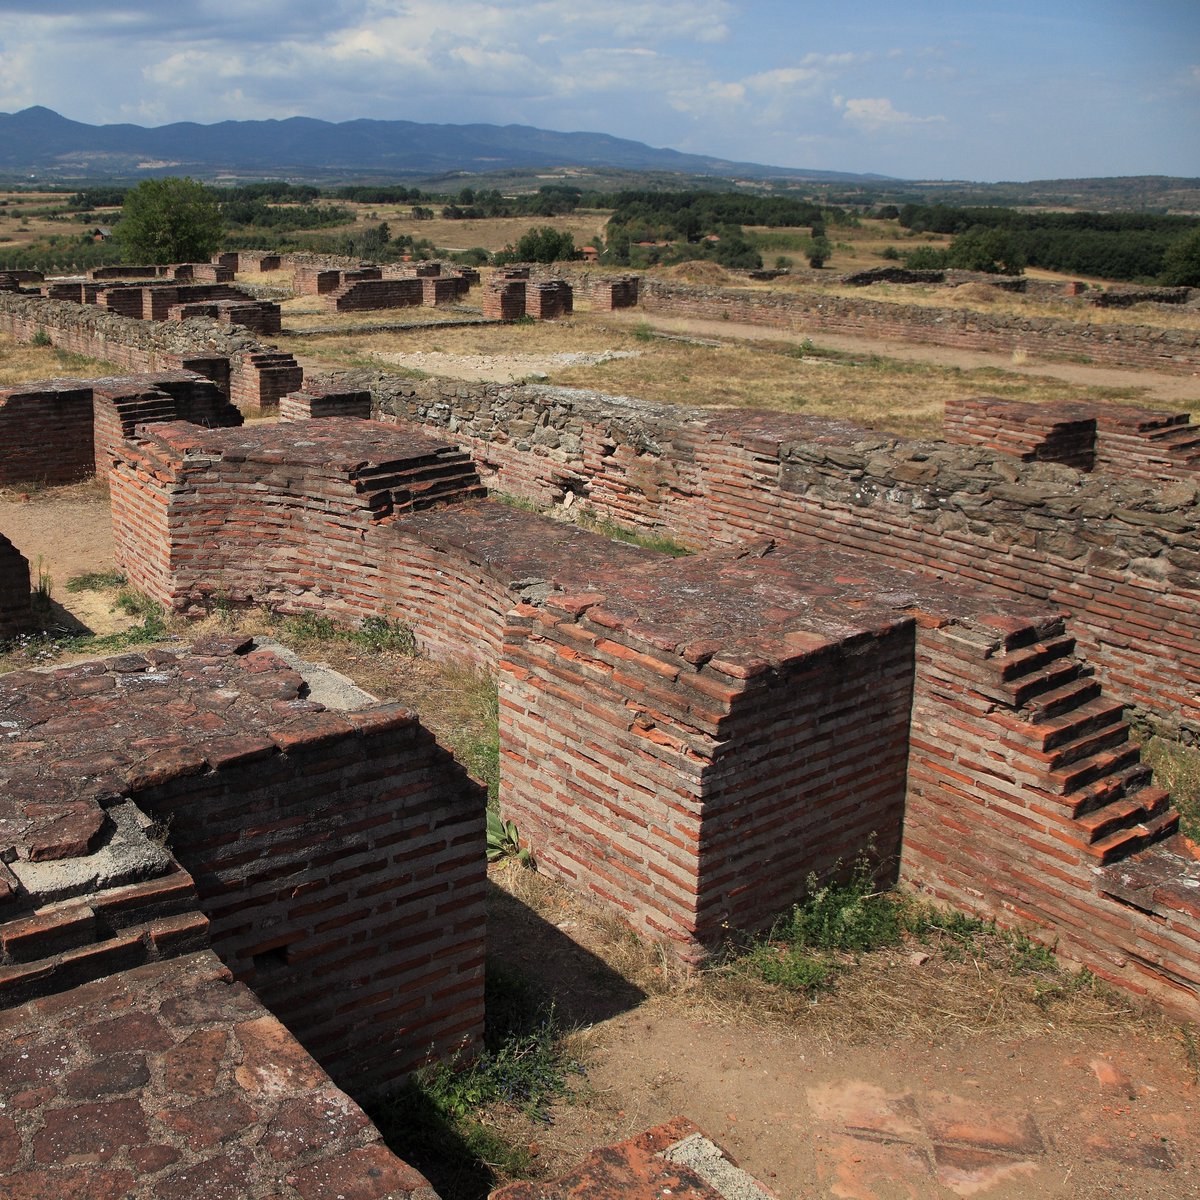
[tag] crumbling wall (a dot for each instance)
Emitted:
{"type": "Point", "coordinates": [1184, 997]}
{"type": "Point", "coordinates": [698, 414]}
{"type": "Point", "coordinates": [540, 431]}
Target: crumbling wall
{"type": "Point", "coordinates": [257, 378]}
{"type": "Point", "coordinates": [1121, 557]}
{"type": "Point", "coordinates": [335, 861]}
{"type": "Point", "coordinates": [1174, 350]}
{"type": "Point", "coordinates": [1134, 443]}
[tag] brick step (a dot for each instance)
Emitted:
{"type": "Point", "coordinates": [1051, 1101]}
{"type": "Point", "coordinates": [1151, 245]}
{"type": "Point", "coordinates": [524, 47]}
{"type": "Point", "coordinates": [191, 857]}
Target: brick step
{"type": "Point", "coordinates": [1089, 743]}
{"type": "Point", "coordinates": [1094, 767]}
{"type": "Point", "coordinates": [1109, 788]}
{"type": "Point", "coordinates": [1136, 808]}
{"type": "Point", "coordinates": [1070, 723]}
{"type": "Point", "coordinates": [1022, 661]}
{"type": "Point", "coordinates": [1128, 841]}
{"type": "Point", "coordinates": [1077, 692]}
{"type": "Point", "coordinates": [1052, 677]}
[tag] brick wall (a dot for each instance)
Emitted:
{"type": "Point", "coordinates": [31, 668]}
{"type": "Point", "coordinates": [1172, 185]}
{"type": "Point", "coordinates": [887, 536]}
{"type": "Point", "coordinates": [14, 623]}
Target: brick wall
{"type": "Point", "coordinates": [504, 299]}
{"type": "Point", "coordinates": [359, 295]}
{"type": "Point", "coordinates": [1135, 443]}
{"type": "Point", "coordinates": [335, 861]}
{"type": "Point", "coordinates": [257, 378]}
{"type": "Point", "coordinates": [14, 590]}
{"type": "Point", "coordinates": [1119, 556]}
{"type": "Point", "coordinates": [548, 301]}
{"type": "Point", "coordinates": [687, 739]}
{"type": "Point", "coordinates": [260, 316]}
{"type": "Point", "coordinates": [1126, 346]}
{"type": "Point", "coordinates": [316, 403]}
{"type": "Point", "coordinates": [46, 432]}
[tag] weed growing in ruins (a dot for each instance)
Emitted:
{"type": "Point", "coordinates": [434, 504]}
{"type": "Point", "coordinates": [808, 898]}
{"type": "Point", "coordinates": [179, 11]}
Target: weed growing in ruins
{"type": "Point", "coordinates": [1177, 769]}
{"type": "Point", "coordinates": [95, 581]}
{"type": "Point", "coordinates": [43, 605]}
{"type": "Point", "coordinates": [40, 337]}
{"type": "Point", "coordinates": [444, 1121]}
{"type": "Point", "coordinates": [648, 541]}
{"type": "Point", "coordinates": [643, 331]}
{"type": "Point", "coordinates": [504, 842]}
{"type": "Point", "coordinates": [852, 916]}
{"type": "Point", "coordinates": [376, 634]}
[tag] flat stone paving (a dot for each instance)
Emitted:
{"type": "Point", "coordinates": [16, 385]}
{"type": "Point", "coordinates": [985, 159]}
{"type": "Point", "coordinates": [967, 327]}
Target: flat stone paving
{"type": "Point", "coordinates": [172, 1082]}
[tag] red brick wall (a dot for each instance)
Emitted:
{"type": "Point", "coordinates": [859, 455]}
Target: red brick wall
{"type": "Point", "coordinates": [1120, 558]}
{"type": "Point", "coordinates": [258, 378]}
{"type": "Point", "coordinates": [1028, 802]}
{"type": "Point", "coordinates": [46, 432]}
{"type": "Point", "coordinates": [14, 590]}
{"type": "Point", "coordinates": [504, 300]}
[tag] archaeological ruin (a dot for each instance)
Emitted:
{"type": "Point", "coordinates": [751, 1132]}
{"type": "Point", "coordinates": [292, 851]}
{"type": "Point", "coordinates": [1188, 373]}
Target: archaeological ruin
{"type": "Point", "coordinates": [922, 650]}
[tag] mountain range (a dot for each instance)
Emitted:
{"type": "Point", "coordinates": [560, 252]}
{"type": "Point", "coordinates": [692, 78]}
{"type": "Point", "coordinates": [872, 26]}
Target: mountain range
{"type": "Point", "coordinates": [40, 141]}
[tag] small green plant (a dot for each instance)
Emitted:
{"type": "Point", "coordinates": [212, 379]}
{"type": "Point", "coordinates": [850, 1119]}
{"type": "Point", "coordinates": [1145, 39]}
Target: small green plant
{"type": "Point", "coordinates": [438, 1120]}
{"type": "Point", "coordinates": [643, 331]}
{"type": "Point", "coordinates": [853, 915]}
{"type": "Point", "coordinates": [43, 588]}
{"type": "Point", "coordinates": [504, 842]}
{"type": "Point", "coordinates": [95, 581]}
{"type": "Point", "coordinates": [135, 604]}
{"type": "Point", "coordinates": [40, 337]}
{"type": "Point", "coordinates": [786, 967]}
{"type": "Point", "coordinates": [378, 633]}
{"type": "Point", "coordinates": [618, 533]}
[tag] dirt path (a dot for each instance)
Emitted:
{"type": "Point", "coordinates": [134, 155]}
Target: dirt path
{"type": "Point", "coordinates": [1181, 390]}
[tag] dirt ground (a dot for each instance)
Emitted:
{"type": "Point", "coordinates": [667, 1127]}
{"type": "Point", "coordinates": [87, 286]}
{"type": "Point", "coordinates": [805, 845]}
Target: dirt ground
{"type": "Point", "coordinates": [933, 1097]}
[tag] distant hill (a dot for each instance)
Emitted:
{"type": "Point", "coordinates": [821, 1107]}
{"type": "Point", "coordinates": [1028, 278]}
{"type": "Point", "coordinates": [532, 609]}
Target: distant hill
{"type": "Point", "coordinates": [40, 141]}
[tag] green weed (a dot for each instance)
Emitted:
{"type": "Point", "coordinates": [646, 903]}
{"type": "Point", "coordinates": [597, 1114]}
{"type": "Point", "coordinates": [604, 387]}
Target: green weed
{"type": "Point", "coordinates": [95, 581]}
{"type": "Point", "coordinates": [437, 1121]}
{"type": "Point", "coordinates": [618, 533]}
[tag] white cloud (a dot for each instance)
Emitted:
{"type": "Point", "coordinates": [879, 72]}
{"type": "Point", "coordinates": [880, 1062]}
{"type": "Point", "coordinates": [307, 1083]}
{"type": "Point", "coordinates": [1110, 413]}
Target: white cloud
{"type": "Point", "coordinates": [872, 115]}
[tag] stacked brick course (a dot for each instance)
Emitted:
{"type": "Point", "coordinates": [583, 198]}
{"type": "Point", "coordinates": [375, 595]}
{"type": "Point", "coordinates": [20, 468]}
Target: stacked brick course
{"type": "Point", "coordinates": [689, 739]}
{"type": "Point", "coordinates": [256, 378]}
{"type": "Point", "coordinates": [504, 299]}
{"type": "Point", "coordinates": [260, 316]}
{"type": "Point", "coordinates": [15, 614]}
{"type": "Point", "coordinates": [204, 272]}
{"type": "Point", "coordinates": [607, 294]}
{"type": "Point", "coordinates": [46, 432]}
{"type": "Point", "coordinates": [358, 295]}
{"type": "Point", "coordinates": [62, 430]}
{"type": "Point", "coordinates": [1119, 556]}
{"type": "Point", "coordinates": [355, 884]}
{"type": "Point", "coordinates": [318, 402]}
{"type": "Point", "coordinates": [548, 301]}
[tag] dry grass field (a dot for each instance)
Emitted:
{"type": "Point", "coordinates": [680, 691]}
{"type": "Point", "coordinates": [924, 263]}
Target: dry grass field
{"type": "Point", "coordinates": [634, 359]}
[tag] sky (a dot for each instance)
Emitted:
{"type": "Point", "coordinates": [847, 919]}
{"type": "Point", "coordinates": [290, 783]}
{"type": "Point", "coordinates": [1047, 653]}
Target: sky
{"type": "Point", "coordinates": [944, 89]}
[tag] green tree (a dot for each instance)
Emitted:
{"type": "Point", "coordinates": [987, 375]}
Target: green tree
{"type": "Point", "coordinates": [543, 245]}
{"type": "Point", "coordinates": [1181, 262]}
{"type": "Point", "coordinates": [170, 220]}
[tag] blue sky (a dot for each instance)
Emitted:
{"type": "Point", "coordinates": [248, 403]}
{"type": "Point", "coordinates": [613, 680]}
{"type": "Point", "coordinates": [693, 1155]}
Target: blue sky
{"type": "Point", "coordinates": [968, 89]}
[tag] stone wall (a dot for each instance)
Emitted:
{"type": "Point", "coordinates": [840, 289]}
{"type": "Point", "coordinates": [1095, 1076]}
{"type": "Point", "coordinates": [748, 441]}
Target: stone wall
{"type": "Point", "coordinates": [256, 378]}
{"type": "Point", "coordinates": [1120, 556]}
{"type": "Point", "coordinates": [1128, 346]}
{"type": "Point", "coordinates": [15, 614]}
{"type": "Point", "coordinates": [688, 739]}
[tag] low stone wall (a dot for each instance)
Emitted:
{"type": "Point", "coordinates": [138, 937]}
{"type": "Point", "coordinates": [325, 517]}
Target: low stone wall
{"type": "Point", "coordinates": [1129, 346]}
{"type": "Point", "coordinates": [256, 378]}
{"type": "Point", "coordinates": [15, 613]}
{"type": "Point", "coordinates": [1121, 557]}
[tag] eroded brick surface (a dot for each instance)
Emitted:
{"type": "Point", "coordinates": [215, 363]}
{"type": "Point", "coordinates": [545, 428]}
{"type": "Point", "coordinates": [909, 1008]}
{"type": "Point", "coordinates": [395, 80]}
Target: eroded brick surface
{"type": "Point", "coordinates": [189, 1088]}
